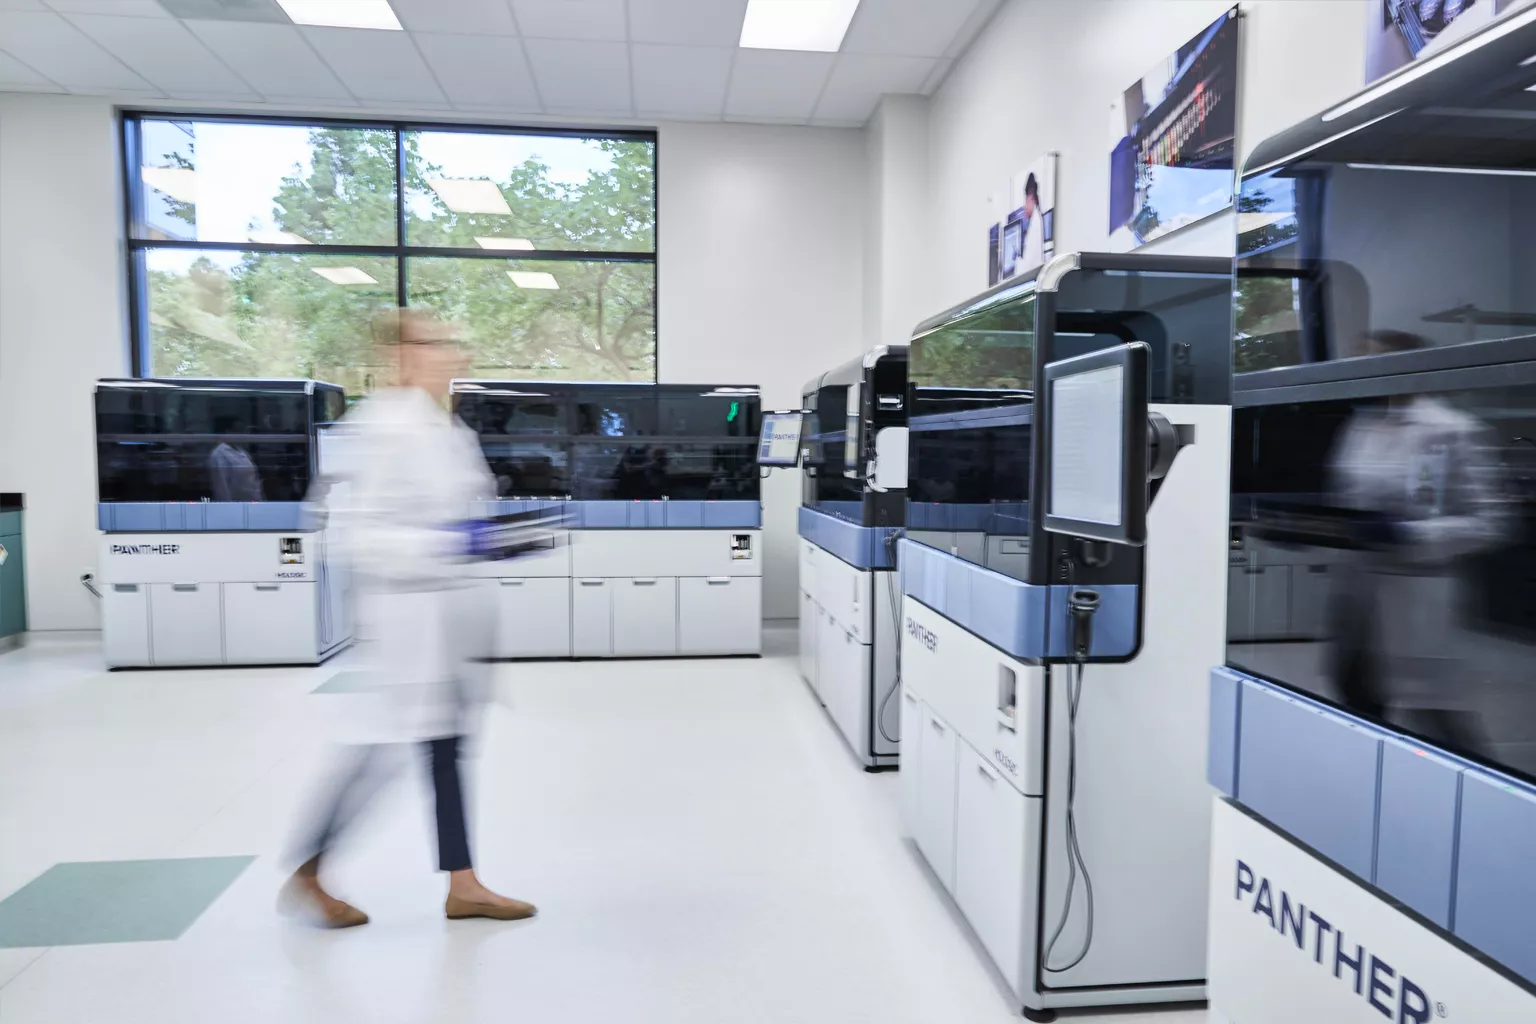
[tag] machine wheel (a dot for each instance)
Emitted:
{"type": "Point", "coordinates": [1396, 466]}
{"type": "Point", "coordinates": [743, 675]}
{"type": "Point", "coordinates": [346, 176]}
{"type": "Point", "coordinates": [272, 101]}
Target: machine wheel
{"type": "Point", "coordinates": [1043, 1016]}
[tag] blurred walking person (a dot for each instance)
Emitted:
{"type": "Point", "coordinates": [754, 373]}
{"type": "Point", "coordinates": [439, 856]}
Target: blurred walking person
{"type": "Point", "coordinates": [397, 512]}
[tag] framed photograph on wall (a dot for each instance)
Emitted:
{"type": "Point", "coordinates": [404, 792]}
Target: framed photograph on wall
{"type": "Point", "coordinates": [1013, 243]}
{"type": "Point", "coordinates": [1172, 139]}
{"type": "Point", "coordinates": [1033, 199]}
{"type": "Point", "coordinates": [994, 262]}
{"type": "Point", "coordinates": [1400, 32]}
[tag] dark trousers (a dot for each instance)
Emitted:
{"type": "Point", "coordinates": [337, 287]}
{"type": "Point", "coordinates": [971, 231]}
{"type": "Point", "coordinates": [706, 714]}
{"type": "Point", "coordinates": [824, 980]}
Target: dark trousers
{"type": "Point", "coordinates": [364, 774]}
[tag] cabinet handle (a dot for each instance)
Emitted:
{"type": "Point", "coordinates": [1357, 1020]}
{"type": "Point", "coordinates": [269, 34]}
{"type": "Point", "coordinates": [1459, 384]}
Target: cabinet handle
{"type": "Point", "coordinates": [591, 583]}
{"type": "Point", "coordinates": [184, 587]}
{"type": "Point", "coordinates": [719, 581]}
{"type": "Point", "coordinates": [986, 774]}
{"type": "Point", "coordinates": [510, 583]}
{"type": "Point", "coordinates": [125, 588]}
{"type": "Point", "coordinates": [644, 583]}
{"type": "Point", "coordinates": [268, 586]}
{"type": "Point", "coordinates": [909, 698]}
{"type": "Point", "coordinates": [938, 726]}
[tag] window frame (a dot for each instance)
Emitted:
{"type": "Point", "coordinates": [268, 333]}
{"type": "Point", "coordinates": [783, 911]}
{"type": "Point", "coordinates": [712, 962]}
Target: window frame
{"type": "Point", "coordinates": [133, 207]}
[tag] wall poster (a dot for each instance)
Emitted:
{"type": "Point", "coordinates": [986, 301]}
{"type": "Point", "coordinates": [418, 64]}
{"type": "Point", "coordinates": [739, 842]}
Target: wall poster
{"type": "Point", "coordinates": [1027, 236]}
{"type": "Point", "coordinates": [1173, 132]}
{"type": "Point", "coordinates": [1402, 31]}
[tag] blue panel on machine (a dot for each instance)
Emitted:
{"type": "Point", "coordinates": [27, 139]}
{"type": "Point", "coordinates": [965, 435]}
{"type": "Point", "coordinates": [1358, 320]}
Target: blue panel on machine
{"type": "Point", "coordinates": [684, 515]}
{"type": "Point", "coordinates": [863, 547]}
{"type": "Point", "coordinates": [733, 515]}
{"type": "Point", "coordinates": [1416, 849]}
{"type": "Point", "coordinates": [1221, 751]}
{"type": "Point", "coordinates": [1495, 879]}
{"type": "Point", "coordinates": [1312, 773]}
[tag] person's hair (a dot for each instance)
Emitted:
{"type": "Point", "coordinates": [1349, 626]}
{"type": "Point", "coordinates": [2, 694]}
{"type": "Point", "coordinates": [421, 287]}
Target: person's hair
{"type": "Point", "coordinates": [1032, 187]}
{"type": "Point", "coordinates": [1396, 341]}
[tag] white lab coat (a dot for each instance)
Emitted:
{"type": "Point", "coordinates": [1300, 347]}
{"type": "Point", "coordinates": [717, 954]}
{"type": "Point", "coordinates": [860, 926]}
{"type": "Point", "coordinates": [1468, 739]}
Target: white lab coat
{"type": "Point", "coordinates": [411, 475]}
{"type": "Point", "coordinates": [1034, 242]}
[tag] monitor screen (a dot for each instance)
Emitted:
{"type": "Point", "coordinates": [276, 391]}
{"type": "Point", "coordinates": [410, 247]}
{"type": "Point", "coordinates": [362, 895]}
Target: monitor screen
{"type": "Point", "coordinates": [1087, 439]}
{"type": "Point", "coordinates": [779, 442]}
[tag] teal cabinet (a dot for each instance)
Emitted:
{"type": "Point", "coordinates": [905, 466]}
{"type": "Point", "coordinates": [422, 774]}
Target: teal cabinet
{"type": "Point", "coordinates": [13, 576]}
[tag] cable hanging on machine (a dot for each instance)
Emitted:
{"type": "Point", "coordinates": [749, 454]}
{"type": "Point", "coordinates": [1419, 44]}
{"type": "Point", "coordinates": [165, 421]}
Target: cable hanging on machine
{"type": "Point", "coordinates": [891, 540]}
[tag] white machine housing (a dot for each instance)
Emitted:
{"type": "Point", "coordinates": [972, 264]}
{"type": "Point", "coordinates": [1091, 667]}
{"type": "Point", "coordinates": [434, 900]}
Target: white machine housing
{"type": "Point", "coordinates": [848, 649]}
{"type": "Point", "coordinates": [984, 796]}
{"type": "Point", "coordinates": [633, 593]}
{"type": "Point", "coordinates": [208, 599]}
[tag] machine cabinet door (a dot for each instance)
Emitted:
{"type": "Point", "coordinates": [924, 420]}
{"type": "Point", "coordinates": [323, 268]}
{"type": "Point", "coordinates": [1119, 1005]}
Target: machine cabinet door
{"type": "Point", "coordinates": [125, 625]}
{"type": "Point", "coordinates": [533, 617]}
{"type": "Point", "coordinates": [809, 614]}
{"type": "Point", "coordinates": [936, 815]}
{"type": "Point", "coordinates": [720, 615]}
{"type": "Point", "coordinates": [993, 824]}
{"type": "Point", "coordinates": [911, 762]}
{"type": "Point", "coordinates": [592, 618]}
{"type": "Point", "coordinates": [186, 623]}
{"type": "Point", "coordinates": [644, 616]}
{"type": "Point", "coordinates": [271, 623]}
{"type": "Point", "coordinates": [846, 692]}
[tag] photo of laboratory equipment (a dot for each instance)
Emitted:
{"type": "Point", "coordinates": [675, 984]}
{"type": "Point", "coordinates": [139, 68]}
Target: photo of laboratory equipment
{"type": "Point", "coordinates": [1381, 610]}
{"type": "Point", "coordinates": [1053, 707]}
{"type": "Point", "coordinates": [854, 500]}
{"type": "Point", "coordinates": [659, 486]}
{"type": "Point", "coordinates": [208, 556]}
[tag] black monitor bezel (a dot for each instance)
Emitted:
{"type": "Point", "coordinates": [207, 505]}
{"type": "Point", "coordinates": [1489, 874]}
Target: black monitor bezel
{"type": "Point", "coordinates": [1134, 358]}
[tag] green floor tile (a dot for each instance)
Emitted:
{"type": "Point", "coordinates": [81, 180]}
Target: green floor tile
{"type": "Point", "coordinates": [90, 902]}
{"type": "Point", "coordinates": [345, 682]}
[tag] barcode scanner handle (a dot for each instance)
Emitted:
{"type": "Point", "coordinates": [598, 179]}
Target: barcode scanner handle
{"type": "Point", "coordinates": [1082, 605]}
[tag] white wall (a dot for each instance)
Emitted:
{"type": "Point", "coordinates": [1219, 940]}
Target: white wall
{"type": "Point", "coordinates": [62, 325]}
{"type": "Point", "coordinates": [1041, 77]}
{"type": "Point", "coordinates": [760, 255]}
{"type": "Point", "coordinates": [897, 221]}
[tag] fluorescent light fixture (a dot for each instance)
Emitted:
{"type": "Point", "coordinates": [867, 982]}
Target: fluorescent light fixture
{"type": "Point", "coordinates": [344, 275]}
{"type": "Point", "coordinates": [342, 13]}
{"type": "Point", "coordinates": [534, 279]}
{"type": "Point", "coordinates": [504, 243]}
{"type": "Point", "coordinates": [179, 183]}
{"type": "Point", "coordinates": [470, 195]}
{"type": "Point", "coordinates": [1435, 63]}
{"type": "Point", "coordinates": [1498, 172]}
{"type": "Point", "coordinates": [278, 238]}
{"type": "Point", "coordinates": [797, 24]}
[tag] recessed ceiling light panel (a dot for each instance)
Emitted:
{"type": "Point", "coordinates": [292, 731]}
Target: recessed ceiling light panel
{"type": "Point", "coordinates": [505, 243]}
{"type": "Point", "coordinates": [342, 13]}
{"type": "Point", "coordinates": [797, 24]}
{"type": "Point", "coordinates": [470, 195]}
{"type": "Point", "coordinates": [534, 279]}
{"type": "Point", "coordinates": [345, 275]}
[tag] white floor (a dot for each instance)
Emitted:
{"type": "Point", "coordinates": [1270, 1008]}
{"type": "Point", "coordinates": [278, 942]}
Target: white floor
{"type": "Point", "coordinates": [701, 845]}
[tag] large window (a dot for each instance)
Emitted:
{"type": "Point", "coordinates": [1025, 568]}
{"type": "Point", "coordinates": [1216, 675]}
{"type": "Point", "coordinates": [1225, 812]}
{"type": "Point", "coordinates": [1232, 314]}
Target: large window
{"type": "Point", "coordinates": [264, 248]}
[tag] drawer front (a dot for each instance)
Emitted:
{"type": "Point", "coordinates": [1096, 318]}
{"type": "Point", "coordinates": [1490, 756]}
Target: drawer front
{"type": "Point", "coordinates": [125, 624]}
{"type": "Point", "coordinates": [993, 823]}
{"type": "Point", "coordinates": [186, 626]}
{"type": "Point", "coordinates": [936, 815]}
{"type": "Point", "coordinates": [845, 687]}
{"type": "Point", "coordinates": [844, 592]}
{"type": "Point", "coordinates": [808, 567]}
{"type": "Point", "coordinates": [810, 613]}
{"type": "Point", "coordinates": [592, 618]}
{"type": "Point", "coordinates": [533, 617]}
{"type": "Point", "coordinates": [271, 623]}
{"type": "Point", "coordinates": [911, 762]}
{"type": "Point", "coordinates": [720, 615]}
{"type": "Point", "coordinates": [645, 616]}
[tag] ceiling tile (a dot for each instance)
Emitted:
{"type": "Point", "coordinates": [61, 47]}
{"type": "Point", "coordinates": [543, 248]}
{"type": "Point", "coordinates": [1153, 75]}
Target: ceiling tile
{"type": "Point", "coordinates": [165, 53]}
{"type": "Point", "coordinates": [376, 65]}
{"type": "Point", "coordinates": [274, 59]}
{"type": "Point", "coordinates": [777, 83]}
{"type": "Point", "coordinates": [126, 8]}
{"type": "Point", "coordinates": [913, 28]}
{"type": "Point", "coordinates": [574, 75]}
{"type": "Point", "coordinates": [571, 19]}
{"type": "Point", "coordinates": [481, 70]}
{"type": "Point", "coordinates": [859, 80]}
{"type": "Point", "coordinates": [462, 17]}
{"type": "Point", "coordinates": [16, 75]}
{"type": "Point", "coordinates": [54, 47]}
{"type": "Point", "coordinates": [694, 22]}
{"type": "Point", "coordinates": [681, 79]}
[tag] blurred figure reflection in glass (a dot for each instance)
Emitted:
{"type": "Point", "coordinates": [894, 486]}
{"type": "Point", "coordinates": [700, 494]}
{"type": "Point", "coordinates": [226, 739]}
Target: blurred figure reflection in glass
{"type": "Point", "coordinates": [397, 514]}
{"type": "Point", "coordinates": [1424, 481]}
{"type": "Point", "coordinates": [231, 472]}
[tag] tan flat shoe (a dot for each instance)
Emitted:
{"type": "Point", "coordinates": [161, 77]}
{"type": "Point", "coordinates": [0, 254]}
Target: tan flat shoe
{"type": "Point", "coordinates": [458, 909]}
{"type": "Point", "coordinates": [315, 906]}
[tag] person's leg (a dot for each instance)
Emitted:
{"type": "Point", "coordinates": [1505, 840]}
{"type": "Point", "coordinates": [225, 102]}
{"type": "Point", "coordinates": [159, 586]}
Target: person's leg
{"type": "Point", "coordinates": [467, 896]}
